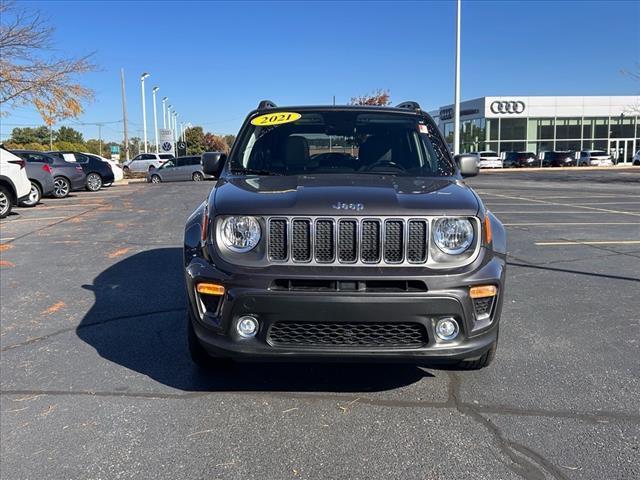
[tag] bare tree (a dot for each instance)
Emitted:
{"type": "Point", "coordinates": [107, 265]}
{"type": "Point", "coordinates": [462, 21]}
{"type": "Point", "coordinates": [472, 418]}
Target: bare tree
{"type": "Point", "coordinates": [378, 97]}
{"type": "Point", "coordinates": [634, 75]}
{"type": "Point", "coordinates": [29, 74]}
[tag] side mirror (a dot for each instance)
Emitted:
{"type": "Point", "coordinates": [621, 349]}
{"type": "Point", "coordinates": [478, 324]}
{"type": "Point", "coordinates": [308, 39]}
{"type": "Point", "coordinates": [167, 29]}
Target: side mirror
{"type": "Point", "coordinates": [468, 165]}
{"type": "Point", "coordinates": [213, 162]}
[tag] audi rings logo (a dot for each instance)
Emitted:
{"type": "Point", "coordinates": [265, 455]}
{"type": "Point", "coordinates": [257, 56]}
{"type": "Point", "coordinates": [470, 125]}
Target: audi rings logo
{"type": "Point", "coordinates": [508, 106]}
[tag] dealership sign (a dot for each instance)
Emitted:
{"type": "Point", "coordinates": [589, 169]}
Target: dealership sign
{"type": "Point", "coordinates": [166, 140]}
{"type": "Point", "coordinates": [508, 107]}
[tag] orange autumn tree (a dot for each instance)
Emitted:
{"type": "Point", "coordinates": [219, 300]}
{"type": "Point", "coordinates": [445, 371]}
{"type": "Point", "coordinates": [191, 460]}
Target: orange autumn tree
{"type": "Point", "coordinates": [378, 97]}
{"type": "Point", "coordinates": [29, 74]}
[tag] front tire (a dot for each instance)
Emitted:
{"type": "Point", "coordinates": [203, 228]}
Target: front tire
{"type": "Point", "coordinates": [61, 187]}
{"type": "Point", "coordinates": [156, 179]}
{"type": "Point", "coordinates": [34, 196]}
{"type": "Point", "coordinates": [94, 182]}
{"type": "Point", "coordinates": [197, 177]}
{"type": "Point", "coordinates": [5, 202]}
{"type": "Point", "coordinates": [199, 356]}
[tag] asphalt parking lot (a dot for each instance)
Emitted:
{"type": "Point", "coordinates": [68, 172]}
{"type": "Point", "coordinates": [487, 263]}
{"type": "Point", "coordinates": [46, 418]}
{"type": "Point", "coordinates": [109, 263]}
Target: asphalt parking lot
{"type": "Point", "coordinates": [96, 382]}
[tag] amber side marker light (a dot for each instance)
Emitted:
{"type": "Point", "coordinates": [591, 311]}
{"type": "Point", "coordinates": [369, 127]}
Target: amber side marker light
{"type": "Point", "coordinates": [210, 289]}
{"type": "Point", "coordinates": [487, 228]}
{"type": "Point", "coordinates": [483, 291]}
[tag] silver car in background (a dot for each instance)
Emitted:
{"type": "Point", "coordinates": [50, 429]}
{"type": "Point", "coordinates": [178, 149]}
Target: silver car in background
{"type": "Point", "coordinates": [597, 158]}
{"type": "Point", "coordinates": [179, 170]}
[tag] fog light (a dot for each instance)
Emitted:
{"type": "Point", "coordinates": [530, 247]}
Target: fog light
{"type": "Point", "coordinates": [247, 326]}
{"type": "Point", "coordinates": [447, 329]}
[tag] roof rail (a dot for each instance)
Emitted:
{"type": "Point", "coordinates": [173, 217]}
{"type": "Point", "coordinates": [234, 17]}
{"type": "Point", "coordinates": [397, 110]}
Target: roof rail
{"type": "Point", "coordinates": [266, 104]}
{"type": "Point", "coordinates": [409, 105]}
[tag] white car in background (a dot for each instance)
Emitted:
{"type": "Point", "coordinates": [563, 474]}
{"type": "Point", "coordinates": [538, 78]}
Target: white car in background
{"type": "Point", "coordinates": [594, 158]}
{"type": "Point", "coordinates": [146, 161]}
{"type": "Point", "coordinates": [488, 159]}
{"type": "Point", "coordinates": [118, 173]}
{"type": "Point", "coordinates": [15, 186]}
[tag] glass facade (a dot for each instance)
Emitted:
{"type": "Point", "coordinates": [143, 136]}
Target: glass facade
{"type": "Point", "coordinates": [620, 136]}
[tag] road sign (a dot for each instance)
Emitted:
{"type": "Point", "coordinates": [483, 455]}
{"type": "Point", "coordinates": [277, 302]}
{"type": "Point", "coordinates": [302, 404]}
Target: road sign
{"type": "Point", "coordinates": [115, 149]}
{"type": "Point", "coordinates": [166, 140]}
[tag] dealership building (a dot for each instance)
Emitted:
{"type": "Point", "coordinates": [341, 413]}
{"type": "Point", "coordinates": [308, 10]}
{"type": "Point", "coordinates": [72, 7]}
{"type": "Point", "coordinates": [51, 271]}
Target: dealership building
{"type": "Point", "coordinates": [537, 124]}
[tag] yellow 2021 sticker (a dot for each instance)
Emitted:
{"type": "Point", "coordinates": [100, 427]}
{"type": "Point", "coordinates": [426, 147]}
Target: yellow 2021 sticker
{"type": "Point", "coordinates": [278, 118]}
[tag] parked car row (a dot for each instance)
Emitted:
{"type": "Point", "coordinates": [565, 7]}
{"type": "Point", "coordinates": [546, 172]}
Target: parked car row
{"type": "Point", "coordinates": [28, 175]}
{"type": "Point", "coordinates": [584, 158]}
{"type": "Point", "coordinates": [179, 169]}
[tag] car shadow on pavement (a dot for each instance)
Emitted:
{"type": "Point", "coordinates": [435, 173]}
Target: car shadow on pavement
{"type": "Point", "coordinates": [138, 321]}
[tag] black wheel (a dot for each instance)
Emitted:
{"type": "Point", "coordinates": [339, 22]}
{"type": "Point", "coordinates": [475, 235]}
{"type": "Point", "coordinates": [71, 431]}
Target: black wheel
{"type": "Point", "coordinates": [61, 187]}
{"type": "Point", "coordinates": [5, 201]}
{"type": "Point", "coordinates": [94, 182]}
{"type": "Point", "coordinates": [199, 356]}
{"type": "Point", "coordinates": [125, 169]}
{"type": "Point", "coordinates": [484, 361]}
{"type": "Point", "coordinates": [197, 177]}
{"type": "Point", "coordinates": [34, 196]}
{"type": "Point", "coordinates": [155, 179]}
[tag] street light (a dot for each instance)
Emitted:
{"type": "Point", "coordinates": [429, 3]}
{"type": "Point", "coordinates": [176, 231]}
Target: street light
{"type": "Point", "coordinates": [164, 112]}
{"type": "Point", "coordinates": [144, 110]}
{"type": "Point", "coordinates": [169, 116]}
{"type": "Point", "coordinates": [456, 100]}
{"type": "Point", "coordinates": [175, 123]}
{"type": "Point", "coordinates": [155, 117]}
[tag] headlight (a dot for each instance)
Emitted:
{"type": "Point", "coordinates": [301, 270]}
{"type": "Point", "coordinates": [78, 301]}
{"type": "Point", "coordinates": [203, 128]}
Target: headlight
{"type": "Point", "coordinates": [453, 235]}
{"type": "Point", "coordinates": [240, 234]}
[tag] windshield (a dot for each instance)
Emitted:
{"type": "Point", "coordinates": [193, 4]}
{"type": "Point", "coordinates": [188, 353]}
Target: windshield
{"type": "Point", "coordinates": [329, 142]}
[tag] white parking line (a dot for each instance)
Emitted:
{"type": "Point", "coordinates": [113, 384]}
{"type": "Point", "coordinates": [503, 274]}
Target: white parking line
{"type": "Point", "coordinates": [558, 204]}
{"type": "Point", "coordinates": [588, 242]}
{"type": "Point", "coordinates": [566, 223]}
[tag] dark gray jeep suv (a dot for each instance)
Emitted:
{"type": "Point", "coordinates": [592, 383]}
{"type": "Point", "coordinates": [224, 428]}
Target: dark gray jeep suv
{"type": "Point", "coordinates": [343, 233]}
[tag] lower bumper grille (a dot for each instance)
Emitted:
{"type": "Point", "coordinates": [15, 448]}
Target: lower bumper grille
{"type": "Point", "coordinates": [351, 334]}
{"type": "Point", "coordinates": [483, 307]}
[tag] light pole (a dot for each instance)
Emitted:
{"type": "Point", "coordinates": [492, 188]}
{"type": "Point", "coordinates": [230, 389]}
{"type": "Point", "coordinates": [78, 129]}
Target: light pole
{"type": "Point", "coordinates": [456, 100]}
{"type": "Point", "coordinates": [175, 123]}
{"type": "Point", "coordinates": [155, 117]}
{"type": "Point", "coordinates": [164, 112]}
{"type": "Point", "coordinates": [144, 110]}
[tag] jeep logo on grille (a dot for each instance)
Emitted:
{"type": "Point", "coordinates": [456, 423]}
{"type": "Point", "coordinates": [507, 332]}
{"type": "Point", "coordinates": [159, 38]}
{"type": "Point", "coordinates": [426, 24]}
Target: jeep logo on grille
{"type": "Point", "coordinates": [348, 206]}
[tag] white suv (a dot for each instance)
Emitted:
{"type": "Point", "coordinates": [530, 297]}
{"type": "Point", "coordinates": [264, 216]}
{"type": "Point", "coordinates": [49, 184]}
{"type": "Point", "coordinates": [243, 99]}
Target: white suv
{"type": "Point", "coordinates": [597, 158]}
{"type": "Point", "coordinates": [146, 161]}
{"type": "Point", "coordinates": [14, 183]}
{"type": "Point", "coordinates": [488, 159]}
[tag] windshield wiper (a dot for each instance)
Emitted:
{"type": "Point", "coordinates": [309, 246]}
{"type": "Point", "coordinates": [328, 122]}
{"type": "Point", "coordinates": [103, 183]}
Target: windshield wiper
{"type": "Point", "coordinates": [253, 171]}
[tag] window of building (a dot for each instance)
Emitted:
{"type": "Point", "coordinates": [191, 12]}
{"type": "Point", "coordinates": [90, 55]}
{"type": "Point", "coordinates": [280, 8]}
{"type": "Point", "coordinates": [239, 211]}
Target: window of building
{"type": "Point", "coordinates": [513, 129]}
{"type": "Point", "coordinates": [573, 145]}
{"type": "Point", "coordinates": [622, 127]}
{"type": "Point", "coordinates": [545, 129]}
{"type": "Point", "coordinates": [512, 146]}
{"type": "Point", "coordinates": [601, 128]}
{"type": "Point", "coordinates": [568, 128]}
{"type": "Point", "coordinates": [492, 126]}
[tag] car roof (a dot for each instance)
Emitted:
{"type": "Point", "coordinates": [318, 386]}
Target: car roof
{"type": "Point", "coordinates": [341, 108]}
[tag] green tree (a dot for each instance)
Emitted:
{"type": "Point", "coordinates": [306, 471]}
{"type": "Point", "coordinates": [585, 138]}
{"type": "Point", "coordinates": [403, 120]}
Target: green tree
{"type": "Point", "coordinates": [194, 137]}
{"type": "Point", "coordinates": [30, 135]}
{"type": "Point", "coordinates": [68, 134]}
{"type": "Point", "coordinates": [68, 146]}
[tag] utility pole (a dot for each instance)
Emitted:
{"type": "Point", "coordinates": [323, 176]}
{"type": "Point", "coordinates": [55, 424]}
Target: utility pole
{"type": "Point", "coordinates": [456, 100]}
{"type": "Point", "coordinates": [124, 117]}
{"type": "Point", "coordinates": [100, 137]}
{"type": "Point", "coordinates": [51, 137]}
{"type": "Point", "coordinates": [164, 112]}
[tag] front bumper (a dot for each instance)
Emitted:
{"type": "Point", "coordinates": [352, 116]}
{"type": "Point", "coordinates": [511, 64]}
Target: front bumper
{"type": "Point", "coordinates": [252, 293]}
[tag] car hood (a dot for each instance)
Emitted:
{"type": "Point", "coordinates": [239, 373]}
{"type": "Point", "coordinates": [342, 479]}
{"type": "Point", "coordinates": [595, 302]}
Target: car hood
{"type": "Point", "coordinates": [361, 195]}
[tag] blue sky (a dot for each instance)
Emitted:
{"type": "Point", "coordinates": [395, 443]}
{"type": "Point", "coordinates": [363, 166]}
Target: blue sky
{"type": "Point", "coordinates": [216, 60]}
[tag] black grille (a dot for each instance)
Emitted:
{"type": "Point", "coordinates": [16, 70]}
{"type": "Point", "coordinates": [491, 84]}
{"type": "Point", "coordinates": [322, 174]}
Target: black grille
{"type": "Point", "coordinates": [417, 241]}
{"type": "Point", "coordinates": [301, 241]}
{"type": "Point", "coordinates": [278, 239]}
{"type": "Point", "coordinates": [393, 241]}
{"type": "Point", "coordinates": [351, 334]}
{"type": "Point", "coordinates": [348, 240]}
{"type": "Point", "coordinates": [324, 241]}
{"type": "Point", "coordinates": [370, 249]}
{"type": "Point", "coordinates": [347, 247]}
{"type": "Point", "coordinates": [483, 306]}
